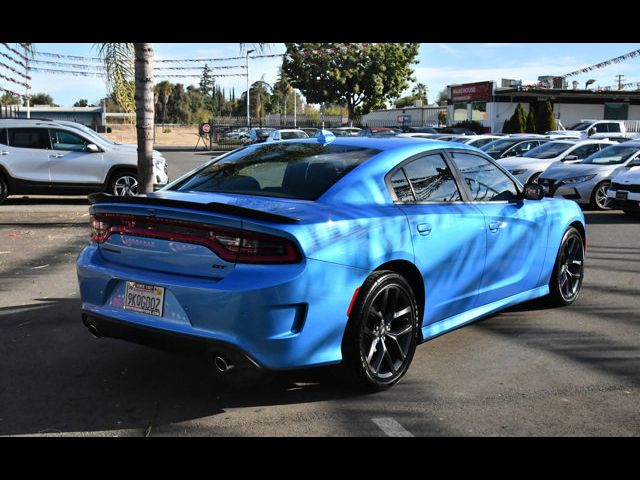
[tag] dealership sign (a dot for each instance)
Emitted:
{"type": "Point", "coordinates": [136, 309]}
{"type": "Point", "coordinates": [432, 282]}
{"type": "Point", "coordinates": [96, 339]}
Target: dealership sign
{"type": "Point", "coordinates": [471, 92]}
{"type": "Point", "coordinates": [404, 118]}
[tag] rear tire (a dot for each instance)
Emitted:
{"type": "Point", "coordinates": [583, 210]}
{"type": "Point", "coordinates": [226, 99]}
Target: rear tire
{"type": "Point", "coordinates": [599, 196]}
{"type": "Point", "coordinates": [124, 184]}
{"type": "Point", "coordinates": [568, 271]}
{"type": "Point", "coordinates": [382, 332]}
{"type": "Point", "coordinates": [4, 189]}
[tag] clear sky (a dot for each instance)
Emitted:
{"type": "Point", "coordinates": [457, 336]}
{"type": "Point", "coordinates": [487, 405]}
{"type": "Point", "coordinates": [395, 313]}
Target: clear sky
{"type": "Point", "coordinates": [440, 65]}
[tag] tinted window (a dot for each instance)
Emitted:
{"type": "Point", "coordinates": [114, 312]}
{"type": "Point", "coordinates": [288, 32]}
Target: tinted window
{"type": "Point", "coordinates": [432, 180]}
{"type": "Point", "coordinates": [614, 127]}
{"type": "Point", "coordinates": [602, 127]}
{"type": "Point", "coordinates": [548, 150]}
{"type": "Point", "coordinates": [585, 150]}
{"type": "Point", "coordinates": [293, 170]}
{"type": "Point", "coordinates": [292, 135]}
{"type": "Point", "coordinates": [499, 146]}
{"type": "Point", "coordinates": [482, 142]}
{"type": "Point", "coordinates": [3, 136]}
{"type": "Point", "coordinates": [401, 187]}
{"type": "Point", "coordinates": [29, 138]}
{"type": "Point", "coordinates": [523, 147]}
{"type": "Point", "coordinates": [63, 140]}
{"type": "Point", "coordinates": [486, 181]}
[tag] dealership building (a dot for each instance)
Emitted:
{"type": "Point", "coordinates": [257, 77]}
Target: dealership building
{"type": "Point", "coordinates": [491, 105]}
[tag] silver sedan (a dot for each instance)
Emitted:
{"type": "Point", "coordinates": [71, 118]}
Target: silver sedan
{"type": "Point", "coordinates": [587, 182]}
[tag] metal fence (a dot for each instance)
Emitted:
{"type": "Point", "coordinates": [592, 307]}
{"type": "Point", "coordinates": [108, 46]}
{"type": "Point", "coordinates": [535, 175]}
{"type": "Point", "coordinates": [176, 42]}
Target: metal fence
{"type": "Point", "coordinates": [9, 111]}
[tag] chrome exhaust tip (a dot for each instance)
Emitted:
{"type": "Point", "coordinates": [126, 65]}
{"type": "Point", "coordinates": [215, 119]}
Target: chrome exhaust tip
{"type": "Point", "coordinates": [221, 364]}
{"type": "Point", "coordinates": [93, 330]}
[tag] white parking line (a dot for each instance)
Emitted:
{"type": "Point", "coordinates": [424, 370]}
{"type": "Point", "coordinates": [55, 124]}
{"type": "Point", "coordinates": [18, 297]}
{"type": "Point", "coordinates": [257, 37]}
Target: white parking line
{"type": "Point", "coordinates": [391, 428]}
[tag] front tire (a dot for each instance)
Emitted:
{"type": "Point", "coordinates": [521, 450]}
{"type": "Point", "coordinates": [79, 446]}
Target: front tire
{"type": "Point", "coordinates": [568, 272]}
{"type": "Point", "coordinates": [124, 184]}
{"type": "Point", "coordinates": [599, 199]}
{"type": "Point", "coordinates": [382, 332]}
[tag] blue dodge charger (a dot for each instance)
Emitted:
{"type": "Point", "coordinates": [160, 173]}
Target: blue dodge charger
{"type": "Point", "coordinates": [327, 250]}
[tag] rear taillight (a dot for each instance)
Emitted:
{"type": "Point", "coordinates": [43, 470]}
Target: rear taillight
{"type": "Point", "coordinates": [230, 244]}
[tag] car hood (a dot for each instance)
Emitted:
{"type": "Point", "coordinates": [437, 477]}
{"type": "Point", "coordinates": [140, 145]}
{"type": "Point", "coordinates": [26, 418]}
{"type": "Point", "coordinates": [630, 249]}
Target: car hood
{"type": "Point", "coordinates": [524, 162]}
{"type": "Point", "coordinates": [629, 177]}
{"type": "Point", "coordinates": [130, 147]}
{"type": "Point", "coordinates": [561, 170]}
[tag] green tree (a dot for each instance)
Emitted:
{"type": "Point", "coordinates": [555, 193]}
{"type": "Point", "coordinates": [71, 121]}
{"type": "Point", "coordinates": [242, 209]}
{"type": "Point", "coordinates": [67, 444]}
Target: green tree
{"type": "Point", "coordinates": [8, 99]}
{"type": "Point", "coordinates": [517, 123]}
{"type": "Point", "coordinates": [549, 117]}
{"type": "Point", "coordinates": [362, 78]}
{"type": "Point", "coordinates": [419, 92]}
{"type": "Point", "coordinates": [42, 99]}
{"type": "Point", "coordinates": [531, 121]}
{"type": "Point", "coordinates": [83, 102]}
{"type": "Point", "coordinates": [207, 82]}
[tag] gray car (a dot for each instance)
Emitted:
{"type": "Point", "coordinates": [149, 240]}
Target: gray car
{"type": "Point", "coordinates": [587, 182]}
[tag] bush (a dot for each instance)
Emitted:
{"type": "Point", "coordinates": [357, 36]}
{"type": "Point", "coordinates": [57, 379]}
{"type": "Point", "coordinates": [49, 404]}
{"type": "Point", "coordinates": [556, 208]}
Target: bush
{"type": "Point", "coordinates": [166, 130]}
{"type": "Point", "coordinates": [471, 125]}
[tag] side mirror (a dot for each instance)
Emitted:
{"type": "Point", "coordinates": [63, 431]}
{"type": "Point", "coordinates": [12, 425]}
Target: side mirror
{"type": "Point", "coordinates": [533, 191]}
{"type": "Point", "coordinates": [635, 163]}
{"type": "Point", "coordinates": [570, 158]}
{"type": "Point", "coordinates": [92, 148]}
{"type": "Point", "coordinates": [592, 131]}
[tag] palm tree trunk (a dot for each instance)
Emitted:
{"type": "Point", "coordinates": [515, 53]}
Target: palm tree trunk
{"type": "Point", "coordinates": [144, 114]}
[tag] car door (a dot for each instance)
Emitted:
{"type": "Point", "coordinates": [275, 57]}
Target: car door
{"type": "Point", "coordinates": [516, 230]}
{"type": "Point", "coordinates": [448, 235]}
{"type": "Point", "coordinates": [70, 163]}
{"type": "Point", "coordinates": [26, 156]}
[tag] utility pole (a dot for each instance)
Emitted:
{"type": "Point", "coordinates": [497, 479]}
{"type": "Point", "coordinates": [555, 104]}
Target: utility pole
{"type": "Point", "coordinates": [295, 110]}
{"type": "Point", "coordinates": [247, 72]}
{"type": "Point", "coordinates": [26, 72]}
{"type": "Point", "coordinates": [620, 80]}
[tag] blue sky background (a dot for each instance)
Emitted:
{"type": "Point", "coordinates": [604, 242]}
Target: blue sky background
{"type": "Point", "coordinates": [440, 65]}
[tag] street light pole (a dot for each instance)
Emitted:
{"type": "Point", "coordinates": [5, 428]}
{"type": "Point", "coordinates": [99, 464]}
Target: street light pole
{"type": "Point", "coordinates": [247, 72]}
{"type": "Point", "coordinates": [295, 109]}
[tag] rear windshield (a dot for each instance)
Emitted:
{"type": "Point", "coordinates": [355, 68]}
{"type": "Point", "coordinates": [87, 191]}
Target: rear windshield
{"type": "Point", "coordinates": [291, 170]}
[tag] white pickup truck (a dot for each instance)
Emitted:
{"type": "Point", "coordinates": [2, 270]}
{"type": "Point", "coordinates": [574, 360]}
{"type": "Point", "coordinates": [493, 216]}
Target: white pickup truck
{"type": "Point", "coordinates": [596, 129]}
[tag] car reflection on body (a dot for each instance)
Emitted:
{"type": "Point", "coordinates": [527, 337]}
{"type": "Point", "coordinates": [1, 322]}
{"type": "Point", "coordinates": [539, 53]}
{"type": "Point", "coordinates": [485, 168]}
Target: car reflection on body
{"type": "Point", "coordinates": [325, 251]}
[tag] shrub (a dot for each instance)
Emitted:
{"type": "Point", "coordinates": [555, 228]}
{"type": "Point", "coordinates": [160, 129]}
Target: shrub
{"type": "Point", "coordinates": [471, 125]}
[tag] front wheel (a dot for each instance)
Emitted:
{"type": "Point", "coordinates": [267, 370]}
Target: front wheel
{"type": "Point", "coordinates": [124, 184]}
{"type": "Point", "coordinates": [382, 332]}
{"type": "Point", "coordinates": [568, 272]}
{"type": "Point", "coordinates": [599, 198]}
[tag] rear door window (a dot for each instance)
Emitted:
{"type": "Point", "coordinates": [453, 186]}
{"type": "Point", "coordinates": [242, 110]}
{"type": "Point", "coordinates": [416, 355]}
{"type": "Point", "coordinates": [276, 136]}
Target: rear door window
{"type": "Point", "coordinates": [37, 138]}
{"type": "Point", "coordinates": [3, 136]}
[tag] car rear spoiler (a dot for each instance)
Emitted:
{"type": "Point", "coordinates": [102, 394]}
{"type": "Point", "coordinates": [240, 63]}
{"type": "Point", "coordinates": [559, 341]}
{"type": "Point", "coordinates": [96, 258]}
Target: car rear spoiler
{"type": "Point", "coordinates": [213, 207]}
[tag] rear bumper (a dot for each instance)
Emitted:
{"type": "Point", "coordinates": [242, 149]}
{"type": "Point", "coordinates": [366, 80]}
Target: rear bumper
{"type": "Point", "coordinates": [101, 326]}
{"type": "Point", "coordinates": [282, 316]}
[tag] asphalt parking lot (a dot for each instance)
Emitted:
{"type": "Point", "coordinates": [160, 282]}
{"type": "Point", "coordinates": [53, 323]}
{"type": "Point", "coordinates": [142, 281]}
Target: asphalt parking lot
{"type": "Point", "coordinates": [528, 371]}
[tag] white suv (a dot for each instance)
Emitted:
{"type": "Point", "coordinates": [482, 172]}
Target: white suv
{"type": "Point", "coordinates": [43, 157]}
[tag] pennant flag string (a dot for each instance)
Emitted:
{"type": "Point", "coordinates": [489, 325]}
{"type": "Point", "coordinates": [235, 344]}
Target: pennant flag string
{"type": "Point", "coordinates": [606, 63]}
{"type": "Point", "coordinates": [9, 57]}
{"type": "Point", "coordinates": [17, 72]}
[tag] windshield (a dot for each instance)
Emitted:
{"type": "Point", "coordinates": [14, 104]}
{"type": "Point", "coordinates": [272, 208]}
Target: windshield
{"type": "Point", "coordinates": [581, 126]}
{"type": "Point", "coordinates": [499, 145]}
{"type": "Point", "coordinates": [459, 140]}
{"type": "Point", "coordinates": [613, 155]}
{"type": "Point", "coordinates": [291, 170]}
{"type": "Point", "coordinates": [548, 150]}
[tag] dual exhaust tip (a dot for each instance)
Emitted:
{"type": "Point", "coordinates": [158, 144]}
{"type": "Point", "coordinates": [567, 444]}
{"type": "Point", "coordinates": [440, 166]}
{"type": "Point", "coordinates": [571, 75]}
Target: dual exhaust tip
{"type": "Point", "coordinates": [221, 363]}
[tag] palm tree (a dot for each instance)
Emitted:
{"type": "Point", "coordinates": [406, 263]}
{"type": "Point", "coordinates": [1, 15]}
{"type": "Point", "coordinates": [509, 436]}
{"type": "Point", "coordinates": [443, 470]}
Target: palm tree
{"type": "Point", "coordinates": [120, 69]}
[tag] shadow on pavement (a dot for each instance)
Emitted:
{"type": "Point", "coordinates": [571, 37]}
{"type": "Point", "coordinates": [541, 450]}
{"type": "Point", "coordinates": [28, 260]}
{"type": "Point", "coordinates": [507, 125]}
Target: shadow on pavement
{"type": "Point", "coordinates": [80, 200]}
{"type": "Point", "coordinates": [610, 218]}
{"type": "Point", "coordinates": [58, 378]}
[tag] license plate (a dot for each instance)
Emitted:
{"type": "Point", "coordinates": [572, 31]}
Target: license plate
{"type": "Point", "coordinates": [621, 195]}
{"type": "Point", "coordinates": [142, 298]}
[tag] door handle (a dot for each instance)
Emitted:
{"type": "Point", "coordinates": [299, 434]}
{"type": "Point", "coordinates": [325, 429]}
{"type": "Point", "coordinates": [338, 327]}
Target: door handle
{"type": "Point", "coordinates": [495, 226]}
{"type": "Point", "coordinates": [424, 228]}
{"type": "Point", "coordinates": [59, 155]}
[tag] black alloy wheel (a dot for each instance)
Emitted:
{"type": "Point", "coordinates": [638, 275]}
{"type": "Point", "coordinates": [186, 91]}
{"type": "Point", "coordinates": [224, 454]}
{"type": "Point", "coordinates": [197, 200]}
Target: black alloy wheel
{"type": "Point", "coordinates": [568, 272]}
{"type": "Point", "coordinates": [382, 333]}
